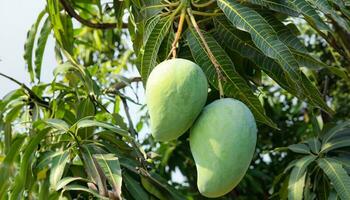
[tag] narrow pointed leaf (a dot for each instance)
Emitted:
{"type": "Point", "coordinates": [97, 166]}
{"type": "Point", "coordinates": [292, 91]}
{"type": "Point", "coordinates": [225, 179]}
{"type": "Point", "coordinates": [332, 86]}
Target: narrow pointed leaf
{"type": "Point", "coordinates": [327, 9]}
{"type": "Point", "coordinates": [111, 168]}
{"type": "Point", "coordinates": [276, 5]}
{"type": "Point", "coordinates": [150, 52]}
{"type": "Point", "coordinates": [309, 13]}
{"type": "Point", "coordinates": [65, 181]}
{"type": "Point", "coordinates": [84, 123]}
{"type": "Point", "coordinates": [285, 34]}
{"type": "Point", "coordinates": [39, 51]}
{"type": "Point", "coordinates": [263, 36]}
{"type": "Point", "coordinates": [57, 168]}
{"type": "Point", "coordinates": [297, 178]}
{"type": "Point", "coordinates": [135, 189]}
{"type": "Point", "coordinates": [299, 148]}
{"type": "Point", "coordinates": [58, 124]}
{"type": "Point", "coordinates": [233, 85]}
{"type": "Point", "coordinates": [234, 40]}
{"type": "Point", "coordinates": [75, 187]}
{"type": "Point", "coordinates": [334, 131]}
{"type": "Point", "coordinates": [336, 143]}
{"type": "Point", "coordinates": [93, 170]}
{"type": "Point", "coordinates": [29, 45]}
{"type": "Point", "coordinates": [337, 175]}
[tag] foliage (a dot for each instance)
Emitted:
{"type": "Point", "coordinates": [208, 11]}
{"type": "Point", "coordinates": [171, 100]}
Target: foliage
{"type": "Point", "coordinates": [76, 137]}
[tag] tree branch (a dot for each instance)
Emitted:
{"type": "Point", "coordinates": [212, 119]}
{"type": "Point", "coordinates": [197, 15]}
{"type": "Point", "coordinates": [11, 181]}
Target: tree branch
{"type": "Point", "coordinates": [31, 94]}
{"type": "Point", "coordinates": [122, 85]}
{"type": "Point", "coordinates": [71, 12]}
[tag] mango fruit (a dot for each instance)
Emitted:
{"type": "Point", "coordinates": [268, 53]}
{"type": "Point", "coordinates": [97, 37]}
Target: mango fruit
{"type": "Point", "coordinates": [176, 92]}
{"type": "Point", "coordinates": [222, 142]}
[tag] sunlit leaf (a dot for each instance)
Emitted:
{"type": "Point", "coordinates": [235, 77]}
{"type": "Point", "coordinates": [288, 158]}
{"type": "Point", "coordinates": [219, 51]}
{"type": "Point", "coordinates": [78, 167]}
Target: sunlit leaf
{"type": "Point", "coordinates": [40, 48]}
{"type": "Point", "coordinates": [57, 168]}
{"type": "Point", "coordinates": [29, 45]}
{"type": "Point", "coordinates": [111, 168]}
{"type": "Point", "coordinates": [297, 178]}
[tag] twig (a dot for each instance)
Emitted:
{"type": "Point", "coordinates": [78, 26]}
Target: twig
{"type": "Point", "coordinates": [71, 12]}
{"type": "Point", "coordinates": [122, 85]}
{"type": "Point", "coordinates": [178, 33]}
{"type": "Point", "coordinates": [134, 143]}
{"type": "Point", "coordinates": [210, 54]}
{"type": "Point", "coordinates": [127, 113]}
{"type": "Point", "coordinates": [202, 5]}
{"type": "Point", "coordinates": [30, 92]}
{"type": "Point", "coordinates": [205, 14]}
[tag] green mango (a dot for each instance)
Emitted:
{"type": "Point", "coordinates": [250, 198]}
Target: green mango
{"type": "Point", "coordinates": [222, 142]}
{"type": "Point", "coordinates": [176, 92]}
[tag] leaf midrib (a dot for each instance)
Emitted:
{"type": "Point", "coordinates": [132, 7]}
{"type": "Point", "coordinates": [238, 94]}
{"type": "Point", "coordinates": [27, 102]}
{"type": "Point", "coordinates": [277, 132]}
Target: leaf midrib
{"type": "Point", "coordinates": [240, 92]}
{"type": "Point", "coordinates": [234, 10]}
{"type": "Point", "coordinates": [336, 174]}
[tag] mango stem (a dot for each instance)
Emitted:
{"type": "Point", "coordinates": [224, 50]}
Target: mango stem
{"type": "Point", "coordinates": [208, 51]}
{"type": "Point", "coordinates": [178, 34]}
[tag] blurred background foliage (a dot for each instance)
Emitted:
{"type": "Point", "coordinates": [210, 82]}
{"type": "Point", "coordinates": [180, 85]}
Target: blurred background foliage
{"type": "Point", "coordinates": [85, 134]}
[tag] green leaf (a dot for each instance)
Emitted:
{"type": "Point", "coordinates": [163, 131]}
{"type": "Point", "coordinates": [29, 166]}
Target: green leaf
{"type": "Point", "coordinates": [263, 36]}
{"type": "Point", "coordinates": [314, 144]}
{"type": "Point", "coordinates": [7, 164]}
{"type": "Point", "coordinates": [344, 161]}
{"type": "Point", "coordinates": [85, 108]}
{"type": "Point", "coordinates": [150, 24]}
{"type": "Point", "coordinates": [337, 175]}
{"type": "Point", "coordinates": [167, 45]}
{"type": "Point", "coordinates": [326, 8]}
{"type": "Point", "coordinates": [175, 194]}
{"type": "Point", "coordinates": [147, 184]}
{"type": "Point", "coordinates": [134, 188]}
{"type": "Point", "coordinates": [40, 48]}
{"type": "Point", "coordinates": [297, 178]}
{"type": "Point", "coordinates": [62, 25]}
{"type": "Point", "coordinates": [7, 136]}
{"type": "Point", "coordinates": [93, 170]}
{"type": "Point", "coordinates": [233, 85]}
{"type": "Point", "coordinates": [308, 61]}
{"type": "Point", "coordinates": [314, 96]}
{"type": "Point", "coordinates": [74, 187]}
{"type": "Point", "coordinates": [58, 124]}
{"type": "Point", "coordinates": [234, 40]}
{"type": "Point", "coordinates": [309, 14]}
{"type": "Point", "coordinates": [341, 72]}
{"type": "Point", "coordinates": [29, 45]}
{"type": "Point", "coordinates": [299, 148]}
{"type": "Point", "coordinates": [57, 168]}
{"type": "Point", "coordinates": [151, 48]}
{"type": "Point", "coordinates": [14, 112]}
{"type": "Point", "coordinates": [90, 123]}
{"type": "Point", "coordinates": [285, 34]}
{"type": "Point", "coordinates": [111, 168]}
{"type": "Point", "coordinates": [119, 7]}
{"type": "Point", "coordinates": [333, 132]}
{"type": "Point", "coordinates": [336, 143]}
{"type": "Point", "coordinates": [23, 177]}
{"type": "Point", "coordinates": [65, 181]}
{"type": "Point", "coordinates": [276, 5]}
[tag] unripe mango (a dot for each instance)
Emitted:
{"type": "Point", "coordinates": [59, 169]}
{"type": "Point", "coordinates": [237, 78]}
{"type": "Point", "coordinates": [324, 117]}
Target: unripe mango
{"type": "Point", "coordinates": [176, 92]}
{"type": "Point", "coordinates": [222, 142]}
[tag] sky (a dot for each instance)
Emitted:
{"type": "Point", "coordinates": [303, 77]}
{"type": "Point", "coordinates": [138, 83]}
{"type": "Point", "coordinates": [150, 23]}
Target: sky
{"type": "Point", "coordinates": [16, 18]}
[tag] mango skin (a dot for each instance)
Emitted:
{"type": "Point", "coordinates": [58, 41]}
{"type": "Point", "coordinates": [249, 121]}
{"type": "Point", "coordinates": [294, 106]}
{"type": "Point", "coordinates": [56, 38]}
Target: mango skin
{"type": "Point", "coordinates": [222, 142]}
{"type": "Point", "coordinates": [176, 92]}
